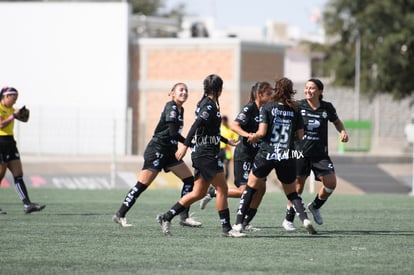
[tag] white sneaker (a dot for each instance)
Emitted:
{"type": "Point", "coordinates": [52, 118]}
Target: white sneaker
{"type": "Point", "coordinates": [250, 228]}
{"type": "Point", "coordinates": [308, 225]}
{"type": "Point", "coordinates": [316, 213]}
{"type": "Point", "coordinates": [121, 221]}
{"type": "Point", "coordinates": [288, 226]}
{"type": "Point", "coordinates": [238, 228]}
{"type": "Point", "coordinates": [233, 234]}
{"type": "Point", "coordinates": [190, 222]}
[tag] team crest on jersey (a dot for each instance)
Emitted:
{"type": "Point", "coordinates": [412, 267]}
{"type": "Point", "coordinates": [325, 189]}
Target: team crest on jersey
{"type": "Point", "coordinates": [204, 115]}
{"type": "Point", "coordinates": [241, 116]}
{"type": "Point", "coordinates": [324, 114]}
{"type": "Point", "coordinates": [173, 114]}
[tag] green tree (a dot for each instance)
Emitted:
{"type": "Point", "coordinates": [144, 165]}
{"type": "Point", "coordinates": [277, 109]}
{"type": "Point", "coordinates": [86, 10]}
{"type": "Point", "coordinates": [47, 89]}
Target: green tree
{"type": "Point", "coordinates": [156, 8]}
{"type": "Point", "coordinates": [146, 7]}
{"type": "Point", "coordinates": [386, 30]}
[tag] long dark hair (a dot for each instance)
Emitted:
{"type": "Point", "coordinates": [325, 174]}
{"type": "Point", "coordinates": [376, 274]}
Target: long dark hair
{"type": "Point", "coordinates": [258, 88]}
{"type": "Point", "coordinates": [213, 84]}
{"type": "Point", "coordinates": [284, 93]}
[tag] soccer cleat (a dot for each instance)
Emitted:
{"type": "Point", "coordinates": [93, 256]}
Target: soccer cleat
{"type": "Point", "coordinates": [205, 200]}
{"type": "Point", "coordinates": [121, 221]}
{"type": "Point", "coordinates": [238, 228]}
{"type": "Point", "coordinates": [190, 222]}
{"type": "Point", "coordinates": [2, 212]}
{"type": "Point", "coordinates": [165, 225]}
{"type": "Point", "coordinates": [33, 207]}
{"type": "Point", "coordinates": [316, 213]}
{"type": "Point", "coordinates": [288, 226]}
{"type": "Point", "coordinates": [308, 225]}
{"type": "Point", "coordinates": [233, 234]}
{"type": "Point", "coordinates": [210, 194]}
{"type": "Point", "coordinates": [250, 228]}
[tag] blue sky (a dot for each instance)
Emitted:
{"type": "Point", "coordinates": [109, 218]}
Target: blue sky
{"type": "Point", "coordinates": [296, 13]}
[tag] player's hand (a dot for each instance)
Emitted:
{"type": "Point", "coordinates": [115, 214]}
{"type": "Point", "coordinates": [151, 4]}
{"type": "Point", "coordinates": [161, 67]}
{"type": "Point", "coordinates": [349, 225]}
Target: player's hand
{"type": "Point", "coordinates": [233, 142]}
{"type": "Point", "coordinates": [252, 138]}
{"type": "Point", "coordinates": [181, 152]}
{"type": "Point", "coordinates": [343, 136]}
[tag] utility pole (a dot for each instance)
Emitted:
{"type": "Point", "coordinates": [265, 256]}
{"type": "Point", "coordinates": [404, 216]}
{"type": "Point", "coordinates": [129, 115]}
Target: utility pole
{"type": "Point", "coordinates": [357, 73]}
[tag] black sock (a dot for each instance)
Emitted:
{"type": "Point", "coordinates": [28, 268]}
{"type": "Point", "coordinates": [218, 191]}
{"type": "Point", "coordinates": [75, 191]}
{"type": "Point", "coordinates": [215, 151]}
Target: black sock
{"type": "Point", "coordinates": [317, 202]}
{"type": "Point", "coordinates": [185, 214]}
{"type": "Point", "coordinates": [130, 198]}
{"type": "Point", "coordinates": [290, 214]}
{"type": "Point", "coordinates": [245, 200]}
{"type": "Point", "coordinates": [298, 205]}
{"type": "Point", "coordinates": [250, 213]}
{"type": "Point", "coordinates": [174, 211]}
{"type": "Point", "coordinates": [225, 219]}
{"type": "Point", "coordinates": [188, 185]}
{"type": "Point", "coordinates": [21, 189]}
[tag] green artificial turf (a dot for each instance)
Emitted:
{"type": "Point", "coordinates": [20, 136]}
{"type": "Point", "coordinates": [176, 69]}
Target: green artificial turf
{"type": "Point", "coordinates": [361, 234]}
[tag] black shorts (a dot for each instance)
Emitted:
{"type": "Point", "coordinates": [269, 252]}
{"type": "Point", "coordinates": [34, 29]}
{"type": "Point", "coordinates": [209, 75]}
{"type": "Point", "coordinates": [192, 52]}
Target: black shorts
{"type": "Point", "coordinates": [207, 167]}
{"type": "Point", "coordinates": [320, 166]}
{"type": "Point", "coordinates": [241, 172]}
{"type": "Point", "coordinates": [156, 159]}
{"type": "Point", "coordinates": [285, 169]}
{"type": "Point", "coordinates": [8, 149]}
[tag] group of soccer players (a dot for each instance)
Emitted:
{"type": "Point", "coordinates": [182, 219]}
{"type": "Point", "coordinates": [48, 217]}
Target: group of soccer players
{"type": "Point", "coordinates": [276, 132]}
{"type": "Point", "coordinates": [272, 127]}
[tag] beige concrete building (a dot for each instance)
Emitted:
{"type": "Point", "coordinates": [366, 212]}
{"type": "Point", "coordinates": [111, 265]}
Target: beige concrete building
{"type": "Point", "coordinates": [157, 64]}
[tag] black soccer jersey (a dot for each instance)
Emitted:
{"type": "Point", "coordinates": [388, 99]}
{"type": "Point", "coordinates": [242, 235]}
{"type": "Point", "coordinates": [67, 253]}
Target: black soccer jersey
{"type": "Point", "coordinates": [207, 135]}
{"type": "Point", "coordinates": [315, 140]}
{"type": "Point", "coordinates": [282, 124]}
{"type": "Point", "coordinates": [162, 137]}
{"type": "Point", "coordinates": [248, 119]}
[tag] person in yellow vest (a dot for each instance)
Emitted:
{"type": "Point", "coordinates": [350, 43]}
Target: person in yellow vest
{"type": "Point", "coordinates": [9, 155]}
{"type": "Point", "coordinates": [226, 153]}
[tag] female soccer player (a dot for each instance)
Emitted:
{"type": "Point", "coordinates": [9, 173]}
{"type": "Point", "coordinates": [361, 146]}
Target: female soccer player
{"type": "Point", "coordinates": [9, 155]}
{"type": "Point", "coordinates": [208, 169]}
{"type": "Point", "coordinates": [245, 124]}
{"type": "Point", "coordinates": [316, 113]}
{"type": "Point", "coordinates": [160, 154]}
{"type": "Point", "coordinates": [279, 125]}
